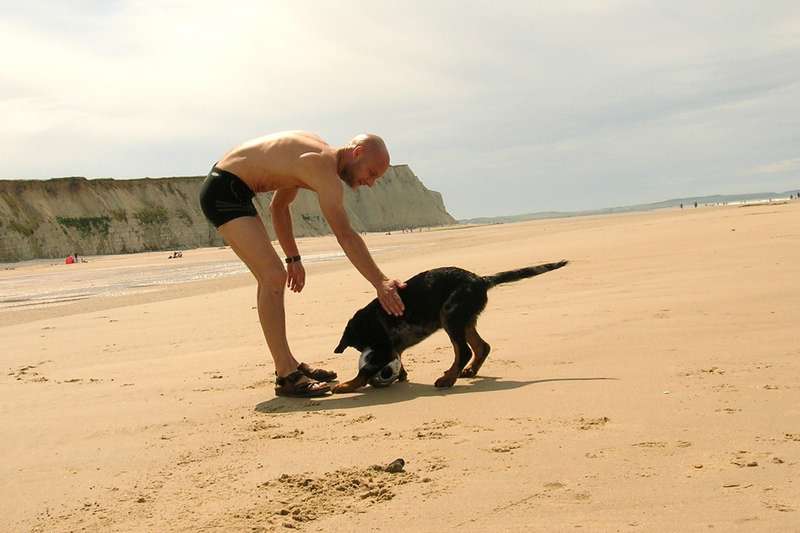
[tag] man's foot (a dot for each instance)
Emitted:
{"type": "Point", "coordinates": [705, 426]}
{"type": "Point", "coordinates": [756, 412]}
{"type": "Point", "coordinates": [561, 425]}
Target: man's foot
{"type": "Point", "coordinates": [298, 385]}
{"type": "Point", "coordinates": [316, 373]}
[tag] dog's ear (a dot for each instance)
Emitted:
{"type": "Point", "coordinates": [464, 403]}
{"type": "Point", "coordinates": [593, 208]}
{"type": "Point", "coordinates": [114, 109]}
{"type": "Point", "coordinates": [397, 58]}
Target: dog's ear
{"type": "Point", "coordinates": [347, 337]}
{"type": "Point", "coordinates": [342, 344]}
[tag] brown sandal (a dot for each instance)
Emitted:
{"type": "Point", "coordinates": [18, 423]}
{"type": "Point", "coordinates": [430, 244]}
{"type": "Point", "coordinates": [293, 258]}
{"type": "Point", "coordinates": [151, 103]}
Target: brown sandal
{"type": "Point", "coordinates": [292, 386]}
{"type": "Point", "coordinates": [316, 373]}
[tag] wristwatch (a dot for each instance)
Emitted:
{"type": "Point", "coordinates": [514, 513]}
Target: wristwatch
{"type": "Point", "coordinates": [293, 259]}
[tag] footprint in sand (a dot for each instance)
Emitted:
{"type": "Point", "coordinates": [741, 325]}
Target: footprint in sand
{"type": "Point", "coordinates": [261, 425]}
{"type": "Point", "coordinates": [592, 423]}
{"type": "Point", "coordinates": [662, 445]}
{"type": "Point", "coordinates": [28, 374]}
{"type": "Point", "coordinates": [713, 371]}
{"type": "Point", "coordinates": [361, 419]}
{"type": "Point", "coordinates": [778, 507]}
{"type": "Point", "coordinates": [436, 463]}
{"type": "Point", "coordinates": [505, 448]}
{"type": "Point", "coordinates": [650, 444]}
{"type": "Point", "coordinates": [743, 458]}
{"type": "Point", "coordinates": [294, 434]}
{"type": "Point", "coordinates": [431, 430]}
{"type": "Point", "coordinates": [334, 414]}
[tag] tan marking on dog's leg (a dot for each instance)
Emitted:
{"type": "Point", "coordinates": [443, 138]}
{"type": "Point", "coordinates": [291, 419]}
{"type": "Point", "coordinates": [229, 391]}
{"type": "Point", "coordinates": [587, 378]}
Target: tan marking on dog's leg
{"type": "Point", "coordinates": [480, 349]}
{"type": "Point", "coordinates": [450, 376]}
{"type": "Point", "coordinates": [403, 376]}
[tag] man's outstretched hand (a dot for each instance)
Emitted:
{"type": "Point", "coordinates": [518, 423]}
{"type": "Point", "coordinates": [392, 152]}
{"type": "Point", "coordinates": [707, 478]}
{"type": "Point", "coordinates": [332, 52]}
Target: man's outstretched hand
{"type": "Point", "coordinates": [389, 297]}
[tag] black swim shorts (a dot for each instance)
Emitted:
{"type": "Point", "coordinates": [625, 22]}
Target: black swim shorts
{"type": "Point", "coordinates": [224, 196]}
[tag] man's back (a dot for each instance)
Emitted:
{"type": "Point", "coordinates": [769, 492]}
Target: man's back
{"type": "Point", "coordinates": [276, 161]}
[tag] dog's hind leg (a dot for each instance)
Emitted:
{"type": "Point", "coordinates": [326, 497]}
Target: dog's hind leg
{"type": "Point", "coordinates": [462, 357]}
{"type": "Point", "coordinates": [480, 347]}
{"type": "Point", "coordinates": [458, 315]}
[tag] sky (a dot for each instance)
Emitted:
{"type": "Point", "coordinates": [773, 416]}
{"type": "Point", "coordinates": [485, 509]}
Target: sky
{"type": "Point", "coordinates": [504, 107]}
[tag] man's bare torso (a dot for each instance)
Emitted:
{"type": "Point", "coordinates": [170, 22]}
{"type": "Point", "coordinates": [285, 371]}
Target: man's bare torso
{"type": "Point", "coordinates": [284, 160]}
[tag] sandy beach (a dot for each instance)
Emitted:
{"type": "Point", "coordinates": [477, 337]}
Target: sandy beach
{"type": "Point", "coordinates": [651, 385]}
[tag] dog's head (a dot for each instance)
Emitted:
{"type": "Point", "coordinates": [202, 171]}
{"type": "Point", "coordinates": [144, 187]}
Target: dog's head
{"type": "Point", "coordinates": [361, 331]}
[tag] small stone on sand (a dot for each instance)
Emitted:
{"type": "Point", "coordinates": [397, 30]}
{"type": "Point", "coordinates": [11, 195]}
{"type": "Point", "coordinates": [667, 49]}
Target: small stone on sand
{"type": "Point", "coordinates": [395, 466]}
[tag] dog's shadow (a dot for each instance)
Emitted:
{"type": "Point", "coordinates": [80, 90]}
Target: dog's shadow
{"type": "Point", "coordinates": [399, 392]}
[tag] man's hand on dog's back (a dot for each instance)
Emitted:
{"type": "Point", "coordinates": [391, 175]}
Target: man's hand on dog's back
{"type": "Point", "coordinates": [389, 297]}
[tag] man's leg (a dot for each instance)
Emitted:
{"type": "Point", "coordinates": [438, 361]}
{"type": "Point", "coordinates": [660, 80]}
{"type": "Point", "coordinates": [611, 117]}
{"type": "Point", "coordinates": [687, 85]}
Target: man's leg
{"type": "Point", "coordinates": [248, 238]}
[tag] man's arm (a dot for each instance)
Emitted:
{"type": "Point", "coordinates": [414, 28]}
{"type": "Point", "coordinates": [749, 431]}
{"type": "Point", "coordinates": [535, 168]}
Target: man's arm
{"type": "Point", "coordinates": [332, 206]}
{"type": "Point", "coordinates": [282, 220]}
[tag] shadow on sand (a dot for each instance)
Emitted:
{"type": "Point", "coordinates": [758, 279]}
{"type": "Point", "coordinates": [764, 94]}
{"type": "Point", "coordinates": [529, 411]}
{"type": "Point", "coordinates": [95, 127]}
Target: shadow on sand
{"type": "Point", "coordinates": [399, 392]}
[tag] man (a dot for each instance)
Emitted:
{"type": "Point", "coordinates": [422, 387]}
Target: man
{"type": "Point", "coordinates": [285, 162]}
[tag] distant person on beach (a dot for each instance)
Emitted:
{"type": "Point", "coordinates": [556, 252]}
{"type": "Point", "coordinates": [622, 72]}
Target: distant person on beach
{"type": "Point", "coordinates": [283, 163]}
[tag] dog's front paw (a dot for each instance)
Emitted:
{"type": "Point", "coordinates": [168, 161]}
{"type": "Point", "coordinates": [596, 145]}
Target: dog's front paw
{"type": "Point", "coordinates": [344, 388]}
{"type": "Point", "coordinates": [445, 381]}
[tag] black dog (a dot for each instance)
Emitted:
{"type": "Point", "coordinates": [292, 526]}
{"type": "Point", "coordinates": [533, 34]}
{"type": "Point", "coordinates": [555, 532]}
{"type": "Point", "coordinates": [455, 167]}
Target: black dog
{"type": "Point", "coordinates": [449, 298]}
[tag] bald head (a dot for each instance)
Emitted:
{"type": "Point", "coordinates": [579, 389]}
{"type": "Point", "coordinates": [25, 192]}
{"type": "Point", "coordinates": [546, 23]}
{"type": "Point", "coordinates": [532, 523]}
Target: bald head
{"type": "Point", "coordinates": [366, 160]}
{"type": "Point", "coordinates": [372, 145]}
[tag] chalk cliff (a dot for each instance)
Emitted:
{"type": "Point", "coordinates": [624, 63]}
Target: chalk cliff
{"type": "Point", "coordinates": [58, 217]}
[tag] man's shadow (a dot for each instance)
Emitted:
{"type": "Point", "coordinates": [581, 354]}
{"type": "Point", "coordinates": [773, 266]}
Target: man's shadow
{"type": "Point", "coordinates": [396, 393]}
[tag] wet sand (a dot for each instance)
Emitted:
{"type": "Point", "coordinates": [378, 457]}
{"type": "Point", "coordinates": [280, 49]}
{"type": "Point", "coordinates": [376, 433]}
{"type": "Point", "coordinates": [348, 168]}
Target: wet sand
{"type": "Point", "coordinates": [651, 385]}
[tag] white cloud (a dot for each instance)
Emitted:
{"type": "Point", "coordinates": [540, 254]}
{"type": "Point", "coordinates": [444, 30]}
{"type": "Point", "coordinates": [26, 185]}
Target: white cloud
{"type": "Point", "coordinates": [778, 167]}
{"type": "Point", "coordinates": [510, 106]}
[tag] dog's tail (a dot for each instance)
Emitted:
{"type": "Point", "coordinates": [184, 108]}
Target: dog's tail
{"type": "Point", "coordinates": [522, 273]}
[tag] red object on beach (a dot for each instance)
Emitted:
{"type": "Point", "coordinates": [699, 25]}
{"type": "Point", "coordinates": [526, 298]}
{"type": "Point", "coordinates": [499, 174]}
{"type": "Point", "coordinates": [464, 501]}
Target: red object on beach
{"type": "Point", "coordinates": [69, 260]}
